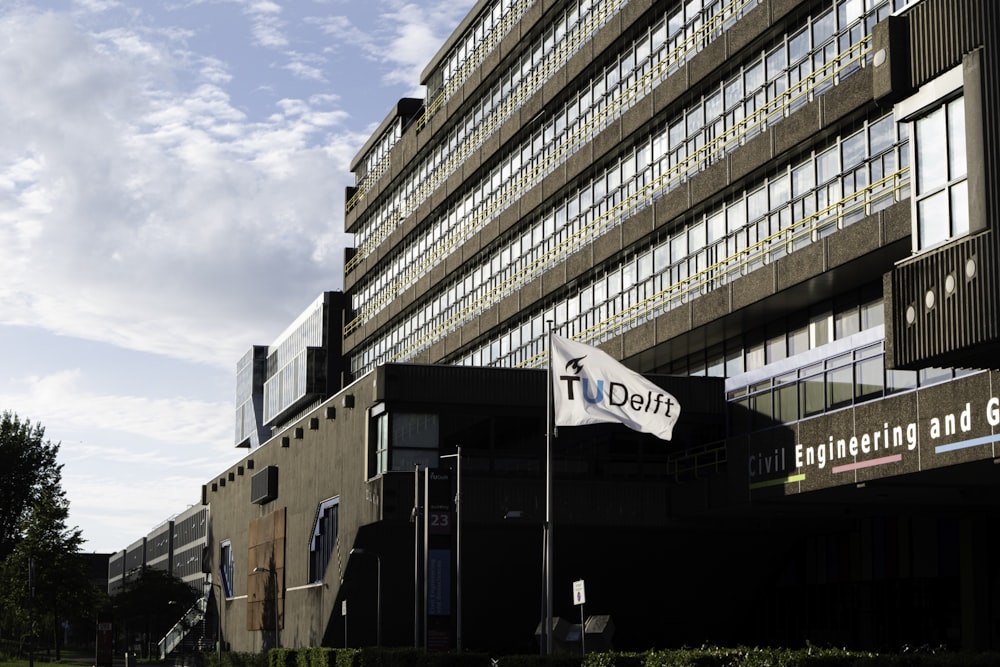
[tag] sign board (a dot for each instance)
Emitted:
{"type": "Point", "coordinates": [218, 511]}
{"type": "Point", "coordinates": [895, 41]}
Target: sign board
{"type": "Point", "coordinates": [343, 608]}
{"type": "Point", "coordinates": [579, 595]}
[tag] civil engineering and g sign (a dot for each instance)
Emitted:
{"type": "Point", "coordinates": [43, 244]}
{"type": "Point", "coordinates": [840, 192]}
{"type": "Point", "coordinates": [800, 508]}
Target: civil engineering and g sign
{"type": "Point", "coordinates": [902, 434]}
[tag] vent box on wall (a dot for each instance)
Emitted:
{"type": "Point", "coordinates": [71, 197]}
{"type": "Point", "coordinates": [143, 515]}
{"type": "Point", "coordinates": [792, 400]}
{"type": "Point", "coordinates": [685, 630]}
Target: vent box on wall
{"type": "Point", "coordinates": [264, 485]}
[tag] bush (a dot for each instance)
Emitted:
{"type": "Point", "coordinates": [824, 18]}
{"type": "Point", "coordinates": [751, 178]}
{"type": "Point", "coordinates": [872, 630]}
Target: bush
{"type": "Point", "coordinates": [704, 656]}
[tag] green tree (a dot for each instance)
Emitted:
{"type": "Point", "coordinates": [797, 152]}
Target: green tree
{"type": "Point", "coordinates": [45, 579]}
{"type": "Point", "coordinates": [151, 602]}
{"type": "Point", "coordinates": [28, 462]}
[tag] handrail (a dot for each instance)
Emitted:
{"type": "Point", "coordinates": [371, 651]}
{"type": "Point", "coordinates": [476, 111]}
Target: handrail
{"type": "Point", "coordinates": [181, 628]}
{"type": "Point", "coordinates": [758, 252]}
{"type": "Point", "coordinates": [679, 171]}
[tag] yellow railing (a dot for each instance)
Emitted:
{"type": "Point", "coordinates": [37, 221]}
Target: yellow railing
{"type": "Point", "coordinates": [454, 82]}
{"type": "Point", "coordinates": [740, 263]}
{"type": "Point", "coordinates": [597, 121]}
{"type": "Point", "coordinates": [485, 129]}
{"type": "Point", "coordinates": [756, 121]}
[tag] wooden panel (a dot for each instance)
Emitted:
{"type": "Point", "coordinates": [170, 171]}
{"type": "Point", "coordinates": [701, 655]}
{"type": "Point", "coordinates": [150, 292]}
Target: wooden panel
{"type": "Point", "coordinates": [266, 571]}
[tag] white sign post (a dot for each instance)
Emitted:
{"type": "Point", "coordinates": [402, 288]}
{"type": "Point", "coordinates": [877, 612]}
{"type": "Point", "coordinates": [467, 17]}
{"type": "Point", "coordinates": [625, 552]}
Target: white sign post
{"type": "Point", "coordinates": [343, 612]}
{"type": "Point", "coordinates": [579, 597]}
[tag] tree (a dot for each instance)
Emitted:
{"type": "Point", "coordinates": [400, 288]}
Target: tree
{"type": "Point", "coordinates": [29, 468]}
{"type": "Point", "coordinates": [45, 579]}
{"type": "Point", "coordinates": [150, 604]}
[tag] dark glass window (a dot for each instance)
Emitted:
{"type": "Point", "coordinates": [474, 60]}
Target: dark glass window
{"type": "Point", "coordinates": [226, 568]}
{"type": "Point", "coordinates": [324, 539]}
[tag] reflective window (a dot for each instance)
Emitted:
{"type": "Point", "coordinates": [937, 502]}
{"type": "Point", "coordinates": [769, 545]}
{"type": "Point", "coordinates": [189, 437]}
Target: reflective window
{"type": "Point", "coordinates": [941, 199]}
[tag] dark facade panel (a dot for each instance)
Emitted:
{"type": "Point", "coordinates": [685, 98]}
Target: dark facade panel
{"type": "Point", "coordinates": [941, 32]}
{"type": "Point", "coordinates": [944, 307]}
{"type": "Point", "coordinates": [264, 486]}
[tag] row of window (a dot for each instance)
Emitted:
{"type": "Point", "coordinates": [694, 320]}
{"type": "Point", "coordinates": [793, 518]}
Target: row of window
{"type": "Point", "coordinates": [437, 96]}
{"type": "Point", "coordinates": [852, 377]}
{"type": "Point", "coordinates": [778, 215]}
{"type": "Point", "coordinates": [721, 120]}
{"type": "Point", "coordinates": [547, 53]}
{"type": "Point", "coordinates": [376, 160]}
{"type": "Point", "coordinates": [472, 49]}
{"type": "Point", "coordinates": [648, 59]}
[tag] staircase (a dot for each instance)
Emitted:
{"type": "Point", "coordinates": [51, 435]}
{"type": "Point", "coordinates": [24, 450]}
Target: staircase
{"type": "Point", "coordinates": [188, 634]}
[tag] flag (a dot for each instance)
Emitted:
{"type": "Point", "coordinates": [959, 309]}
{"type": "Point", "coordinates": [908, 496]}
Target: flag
{"type": "Point", "coordinates": [590, 387]}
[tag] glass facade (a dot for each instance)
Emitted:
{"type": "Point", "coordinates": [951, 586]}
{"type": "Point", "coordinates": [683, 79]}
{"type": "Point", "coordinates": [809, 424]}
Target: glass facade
{"type": "Point", "coordinates": [289, 364]}
{"type": "Point", "coordinates": [251, 372]}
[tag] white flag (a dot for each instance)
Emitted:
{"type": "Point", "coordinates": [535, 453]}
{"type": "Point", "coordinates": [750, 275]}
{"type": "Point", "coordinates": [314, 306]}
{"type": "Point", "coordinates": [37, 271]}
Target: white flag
{"type": "Point", "coordinates": [589, 387]}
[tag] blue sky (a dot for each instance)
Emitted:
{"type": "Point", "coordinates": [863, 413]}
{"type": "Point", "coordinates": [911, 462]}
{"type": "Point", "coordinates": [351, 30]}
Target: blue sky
{"type": "Point", "coordinates": [172, 183]}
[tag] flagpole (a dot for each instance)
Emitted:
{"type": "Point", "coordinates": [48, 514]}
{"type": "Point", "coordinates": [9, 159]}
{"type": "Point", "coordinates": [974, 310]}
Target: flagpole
{"type": "Point", "coordinates": [547, 531]}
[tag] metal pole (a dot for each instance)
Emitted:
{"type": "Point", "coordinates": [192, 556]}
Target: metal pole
{"type": "Point", "coordinates": [458, 549]}
{"type": "Point", "coordinates": [458, 545]}
{"type": "Point", "coordinates": [31, 611]}
{"type": "Point", "coordinates": [218, 626]}
{"type": "Point", "coordinates": [427, 486]}
{"type": "Point", "coordinates": [416, 555]}
{"type": "Point", "coordinates": [378, 602]}
{"type": "Point", "coordinates": [548, 498]}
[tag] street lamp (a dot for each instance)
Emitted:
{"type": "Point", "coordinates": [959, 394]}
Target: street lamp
{"type": "Point", "coordinates": [218, 619]}
{"type": "Point", "coordinates": [274, 573]}
{"type": "Point", "coordinates": [378, 591]}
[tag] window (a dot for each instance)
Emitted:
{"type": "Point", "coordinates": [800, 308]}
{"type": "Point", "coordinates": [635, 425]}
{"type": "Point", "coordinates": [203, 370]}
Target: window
{"type": "Point", "coordinates": [226, 567]}
{"type": "Point", "coordinates": [324, 539]}
{"type": "Point", "coordinates": [401, 440]}
{"type": "Point", "coordinates": [936, 115]}
{"type": "Point", "coordinates": [378, 441]}
{"type": "Point", "coordinates": [941, 198]}
{"type": "Point", "coordinates": [414, 441]}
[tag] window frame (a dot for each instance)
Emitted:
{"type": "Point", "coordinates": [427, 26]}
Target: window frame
{"type": "Point", "coordinates": [935, 96]}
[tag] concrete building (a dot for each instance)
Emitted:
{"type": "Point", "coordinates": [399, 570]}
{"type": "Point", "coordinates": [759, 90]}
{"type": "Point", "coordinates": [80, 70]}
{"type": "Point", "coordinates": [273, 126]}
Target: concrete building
{"type": "Point", "coordinates": [779, 209]}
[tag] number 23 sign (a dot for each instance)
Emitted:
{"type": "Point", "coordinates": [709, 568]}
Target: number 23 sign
{"type": "Point", "coordinates": [438, 521]}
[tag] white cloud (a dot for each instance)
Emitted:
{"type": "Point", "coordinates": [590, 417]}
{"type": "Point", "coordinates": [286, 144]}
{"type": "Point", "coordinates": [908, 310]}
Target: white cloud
{"type": "Point", "coordinates": [416, 32]}
{"type": "Point", "coordinates": [267, 23]}
{"type": "Point", "coordinates": [121, 443]}
{"type": "Point", "coordinates": [156, 218]}
{"type": "Point", "coordinates": [201, 426]}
